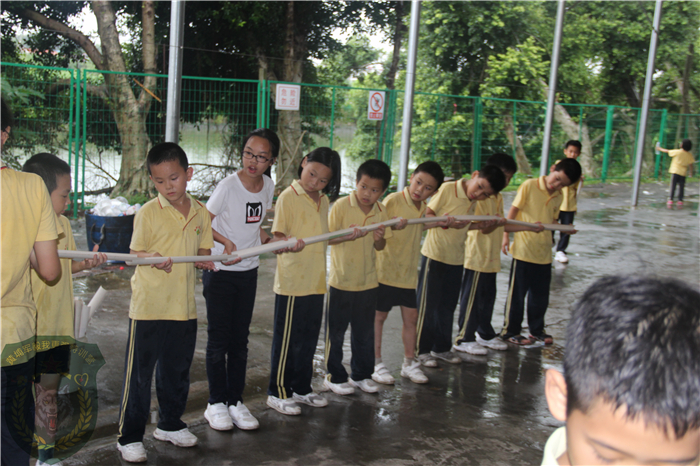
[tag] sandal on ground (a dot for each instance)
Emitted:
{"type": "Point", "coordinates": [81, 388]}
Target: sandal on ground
{"type": "Point", "coordinates": [519, 340]}
{"type": "Point", "coordinates": [544, 338]}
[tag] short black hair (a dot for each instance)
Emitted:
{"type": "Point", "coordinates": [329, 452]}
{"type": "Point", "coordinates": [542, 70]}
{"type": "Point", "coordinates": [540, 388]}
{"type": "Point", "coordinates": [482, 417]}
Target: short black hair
{"type": "Point", "coordinates": [495, 176]}
{"type": "Point", "coordinates": [49, 167]}
{"type": "Point", "coordinates": [166, 152]}
{"type": "Point", "coordinates": [573, 142]}
{"type": "Point", "coordinates": [433, 169]}
{"type": "Point", "coordinates": [570, 167]}
{"type": "Point", "coordinates": [331, 159]}
{"type": "Point", "coordinates": [503, 161]}
{"type": "Point", "coordinates": [7, 118]}
{"type": "Point", "coordinates": [687, 144]}
{"type": "Point", "coordinates": [375, 169]}
{"type": "Point", "coordinates": [633, 342]}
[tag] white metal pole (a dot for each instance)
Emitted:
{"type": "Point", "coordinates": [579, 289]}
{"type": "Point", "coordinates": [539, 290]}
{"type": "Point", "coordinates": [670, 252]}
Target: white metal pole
{"type": "Point", "coordinates": [552, 93]}
{"type": "Point", "coordinates": [177, 38]}
{"type": "Point", "coordinates": [645, 102]}
{"type": "Point", "coordinates": [408, 94]}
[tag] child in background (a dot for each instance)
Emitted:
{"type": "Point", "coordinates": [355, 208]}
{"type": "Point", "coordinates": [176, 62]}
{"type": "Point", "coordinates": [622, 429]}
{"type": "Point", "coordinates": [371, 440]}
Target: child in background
{"type": "Point", "coordinates": [397, 270]}
{"type": "Point", "coordinates": [237, 208]}
{"type": "Point", "coordinates": [54, 300]}
{"type": "Point", "coordinates": [630, 392]}
{"type": "Point", "coordinates": [352, 298]}
{"type": "Point", "coordinates": [163, 315]}
{"type": "Point", "coordinates": [567, 210]}
{"type": "Point", "coordinates": [28, 233]}
{"type": "Point", "coordinates": [681, 166]}
{"type": "Point", "coordinates": [300, 281]}
{"type": "Point", "coordinates": [537, 201]}
{"type": "Point", "coordinates": [442, 262]}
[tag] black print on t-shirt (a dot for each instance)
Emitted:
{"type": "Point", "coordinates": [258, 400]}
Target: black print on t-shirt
{"type": "Point", "coordinates": [253, 212]}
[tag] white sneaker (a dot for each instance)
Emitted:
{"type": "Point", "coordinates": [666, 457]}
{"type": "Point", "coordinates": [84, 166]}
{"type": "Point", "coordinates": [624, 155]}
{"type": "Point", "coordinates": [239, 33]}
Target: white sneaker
{"type": "Point", "coordinates": [366, 385]}
{"type": "Point", "coordinates": [471, 347]}
{"type": "Point", "coordinates": [560, 256]}
{"type": "Point", "coordinates": [381, 375]}
{"type": "Point", "coordinates": [311, 399]}
{"type": "Point", "coordinates": [180, 438]}
{"type": "Point", "coordinates": [413, 373]}
{"type": "Point", "coordinates": [338, 388]}
{"type": "Point", "coordinates": [242, 417]}
{"type": "Point", "coordinates": [41, 463]}
{"type": "Point", "coordinates": [217, 416]}
{"type": "Point", "coordinates": [447, 356]}
{"type": "Point", "coordinates": [133, 452]}
{"type": "Point", "coordinates": [284, 406]}
{"type": "Point", "coordinates": [427, 360]}
{"type": "Point", "coordinates": [494, 343]}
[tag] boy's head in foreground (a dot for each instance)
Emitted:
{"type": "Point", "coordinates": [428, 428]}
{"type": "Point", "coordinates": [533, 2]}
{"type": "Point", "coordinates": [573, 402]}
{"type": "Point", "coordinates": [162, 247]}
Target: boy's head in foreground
{"type": "Point", "coordinates": [506, 163]}
{"type": "Point", "coordinates": [572, 149]}
{"type": "Point", "coordinates": [686, 145]}
{"type": "Point", "coordinates": [425, 181]}
{"type": "Point", "coordinates": [565, 173]}
{"type": "Point", "coordinates": [169, 170]}
{"type": "Point", "coordinates": [630, 393]}
{"type": "Point", "coordinates": [56, 175]}
{"type": "Point", "coordinates": [484, 183]}
{"type": "Point", "coordinates": [373, 177]}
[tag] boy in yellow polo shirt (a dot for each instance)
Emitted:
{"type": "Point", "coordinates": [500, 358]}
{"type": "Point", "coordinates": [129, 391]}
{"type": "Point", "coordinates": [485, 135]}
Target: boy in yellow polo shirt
{"type": "Point", "coordinates": [681, 166]}
{"type": "Point", "coordinates": [397, 270]}
{"type": "Point", "coordinates": [569, 195]}
{"type": "Point", "coordinates": [28, 234]}
{"type": "Point", "coordinates": [538, 200]}
{"type": "Point", "coordinates": [162, 315]}
{"type": "Point", "coordinates": [352, 298]}
{"type": "Point", "coordinates": [442, 262]}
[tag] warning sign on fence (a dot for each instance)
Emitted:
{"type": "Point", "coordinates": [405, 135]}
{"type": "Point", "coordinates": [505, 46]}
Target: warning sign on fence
{"type": "Point", "coordinates": [287, 97]}
{"type": "Point", "coordinates": [375, 107]}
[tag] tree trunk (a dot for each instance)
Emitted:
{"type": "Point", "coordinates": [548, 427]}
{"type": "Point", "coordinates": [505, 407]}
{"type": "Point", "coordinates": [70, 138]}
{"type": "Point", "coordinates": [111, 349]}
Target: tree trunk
{"type": "Point", "coordinates": [520, 157]}
{"type": "Point", "coordinates": [570, 127]}
{"type": "Point", "coordinates": [289, 122]}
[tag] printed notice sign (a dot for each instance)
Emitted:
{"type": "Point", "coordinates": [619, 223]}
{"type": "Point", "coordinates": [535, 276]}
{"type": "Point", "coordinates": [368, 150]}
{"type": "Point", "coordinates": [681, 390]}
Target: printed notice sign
{"type": "Point", "coordinates": [375, 107]}
{"type": "Point", "coordinates": [288, 96]}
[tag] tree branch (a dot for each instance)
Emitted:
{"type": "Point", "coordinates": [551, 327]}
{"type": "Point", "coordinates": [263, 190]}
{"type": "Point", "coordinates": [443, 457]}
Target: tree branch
{"type": "Point", "coordinates": [66, 31]}
{"type": "Point", "coordinates": [97, 91]}
{"type": "Point", "coordinates": [148, 49]}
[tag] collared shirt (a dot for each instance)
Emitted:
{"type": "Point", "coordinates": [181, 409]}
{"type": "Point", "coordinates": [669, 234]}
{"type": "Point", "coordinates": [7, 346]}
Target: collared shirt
{"type": "Point", "coordinates": [483, 251]}
{"type": "Point", "coordinates": [397, 263]}
{"type": "Point", "coordinates": [536, 205]}
{"type": "Point", "coordinates": [447, 246]}
{"type": "Point", "coordinates": [680, 161]}
{"type": "Point", "coordinates": [353, 262]}
{"type": "Point", "coordinates": [296, 214]}
{"type": "Point", "coordinates": [160, 227]}
{"type": "Point", "coordinates": [54, 304]}
{"type": "Point", "coordinates": [27, 217]}
{"type": "Point", "coordinates": [555, 447]}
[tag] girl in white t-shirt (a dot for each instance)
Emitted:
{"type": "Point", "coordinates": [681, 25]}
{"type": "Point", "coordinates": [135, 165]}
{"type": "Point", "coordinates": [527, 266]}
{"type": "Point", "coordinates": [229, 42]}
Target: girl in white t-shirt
{"type": "Point", "coordinates": [237, 208]}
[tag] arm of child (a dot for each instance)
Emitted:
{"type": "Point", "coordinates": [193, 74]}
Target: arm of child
{"type": "Point", "coordinates": [379, 240]}
{"type": "Point", "coordinates": [166, 266]}
{"type": "Point", "coordinates": [512, 213]}
{"type": "Point", "coordinates": [229, 246]}
{"type": "Point", "coordinates": [487, 227]}
{"type": "Point", "coordinates": [44, 259]}
{"type": "Point", "coordinates": [279, 236]}
{"type": "Point", "coordinates": [97, 259]}
{"type": "Point", "coordinates": [445, 224]}
{"type": "Point", "coordinates": [205, 265]}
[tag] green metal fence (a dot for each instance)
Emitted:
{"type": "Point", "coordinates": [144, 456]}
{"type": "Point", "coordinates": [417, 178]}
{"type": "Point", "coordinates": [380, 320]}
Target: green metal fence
{"type": "Point", "coordinates": [71, 112]}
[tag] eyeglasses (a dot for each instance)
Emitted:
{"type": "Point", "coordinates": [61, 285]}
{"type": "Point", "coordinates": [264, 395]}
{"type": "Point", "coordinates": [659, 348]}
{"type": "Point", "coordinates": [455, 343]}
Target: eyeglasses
{"type": "Point", "coordinates": [258, 158]}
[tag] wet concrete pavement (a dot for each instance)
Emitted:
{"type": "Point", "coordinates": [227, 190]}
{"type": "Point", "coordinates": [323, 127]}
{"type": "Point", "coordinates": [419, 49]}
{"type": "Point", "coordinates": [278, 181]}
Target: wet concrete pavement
{"type": "Point", "coordinates": [487, 410]}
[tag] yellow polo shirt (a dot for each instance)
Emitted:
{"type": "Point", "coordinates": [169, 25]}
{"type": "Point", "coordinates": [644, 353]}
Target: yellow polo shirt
{"type": "Point", "coordinates": [397, 263]}
{"type": "Point", "coordinates": [159, 227]}
{"type": "Point", "coordinates": [26, 217]}
{"type": "Point", "coordinates": [680, 161]}
{"type": "Point", "coordinates": [536, 205]}
{"type": "Point", "coordinates": [296, 214]}
{"type": "Point", "coordinates": [483, 252]}
{"type": "Point", "coordinates": [353, 262]}
{"type": "Point", "coordinates": [447, 246]}
{"type": "Point", "coordinates": [54, 303]}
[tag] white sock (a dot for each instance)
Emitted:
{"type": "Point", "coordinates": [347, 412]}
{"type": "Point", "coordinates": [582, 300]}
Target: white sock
{"type": "Point", "coordinates": [377, 361]}
{"type": "Point", "coordinates": [408, 361]}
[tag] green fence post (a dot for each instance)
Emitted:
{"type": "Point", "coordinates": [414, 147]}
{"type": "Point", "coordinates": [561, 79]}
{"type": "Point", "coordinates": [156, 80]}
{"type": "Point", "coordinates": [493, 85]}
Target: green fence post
{"type": "Point", "coordinates": [84, 138]}
{"type": "Point", "coordinates": [608, 141]}
{"type": "Point", "coordinates": [437, 122]}
{"type": "Point", "coordinates": [78, 119]}
{"type": "Point", "coordinates": [476, 140]}
{"type": "Point", "coordinates": [580, 122]}
{"type": "Point", "coordinates": [332, 117]}
{"type": "Point", "coordinates": [259, 109]}
{"type": "Point", "coordinates": [662, 131]}
{"type": "Point", "coordinates": [515, 131]}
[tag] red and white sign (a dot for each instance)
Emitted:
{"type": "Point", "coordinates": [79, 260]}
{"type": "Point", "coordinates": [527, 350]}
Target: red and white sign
{"type": "Point", "coordinates": [375, 107]}
{"type": "Point", "coordinates": [288, 97]}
